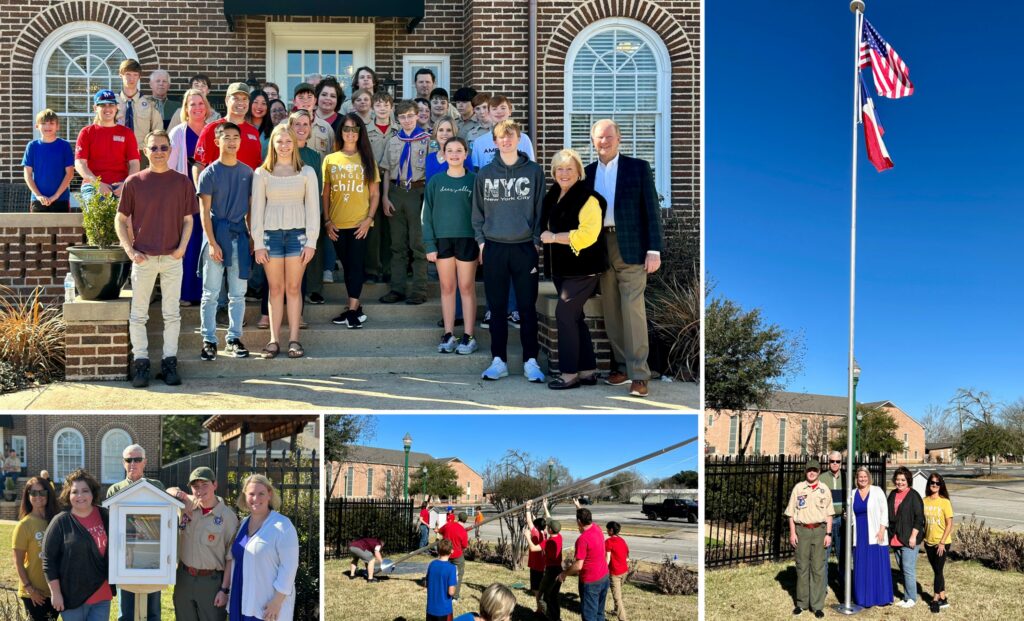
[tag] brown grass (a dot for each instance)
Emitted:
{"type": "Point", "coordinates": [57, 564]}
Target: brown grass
{"type": "Point", "coordinates": [31, 335]}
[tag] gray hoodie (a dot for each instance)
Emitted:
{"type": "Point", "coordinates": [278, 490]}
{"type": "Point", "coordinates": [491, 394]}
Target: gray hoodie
{"type": "Point", "coordinates": [507, 201]}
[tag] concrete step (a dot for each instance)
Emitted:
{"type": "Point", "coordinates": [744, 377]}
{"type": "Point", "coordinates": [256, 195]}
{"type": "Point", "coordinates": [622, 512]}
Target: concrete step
{"type": "Point", "coordinates": [321, 363]}
{"type": "Point", "coordinates": [340, 339]}
{"type": "Point", "coordinates": [425, 314]}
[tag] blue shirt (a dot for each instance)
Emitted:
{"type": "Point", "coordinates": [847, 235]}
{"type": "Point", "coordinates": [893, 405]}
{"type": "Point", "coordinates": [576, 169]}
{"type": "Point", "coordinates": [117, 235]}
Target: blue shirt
{"type": "Point", "coordinates": [230, 188]}
{"type": "Point", "coordinates": [433, 166]}
{"type": "Point", "coordinates": [49, 162]}
{"type": "Point", "coordinates": [440, 576]}
{"type": "Point", "coordinates": [484, 150]}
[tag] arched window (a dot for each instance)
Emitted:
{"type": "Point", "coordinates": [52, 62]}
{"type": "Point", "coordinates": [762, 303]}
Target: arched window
{"type": "Point", "coordinates": [114, 442]}
{"type": "Point", "coordinates": [74, 62]}
{"type": "Point", "coordinates": [68, 453]}
{"type": "Point", "coordinates": [619, 68]}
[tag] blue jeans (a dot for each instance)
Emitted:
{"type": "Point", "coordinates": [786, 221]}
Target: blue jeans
{"type": "Point", "coordinates": [592, 598]}
{"type": "Point", "coordinates": [88, 612]}
{"type": "Point", "coordinates": [284, 243]}
{"type": "Point", "coordinates": [906, 559]}
{"type": "Point", "coordinates": [837, 547]}
{"type": "Point", "coordinates": [213, 278]}
{"type": "Point", "coordinates": [424, 535]}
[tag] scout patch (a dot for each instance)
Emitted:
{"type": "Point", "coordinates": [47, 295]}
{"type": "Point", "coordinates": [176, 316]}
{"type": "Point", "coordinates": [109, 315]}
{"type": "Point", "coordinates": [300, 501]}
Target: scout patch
{"type": "Point", "coordinates": [211, 537]}
{"type": "Point", "coordinates": [218, 520]}
{"type": "Point", "coordinates": [801, 502]}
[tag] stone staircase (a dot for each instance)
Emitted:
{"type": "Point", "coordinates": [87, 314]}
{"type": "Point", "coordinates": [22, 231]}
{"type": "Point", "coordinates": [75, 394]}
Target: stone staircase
{"type": "Point", "coordinates": [396, 338]}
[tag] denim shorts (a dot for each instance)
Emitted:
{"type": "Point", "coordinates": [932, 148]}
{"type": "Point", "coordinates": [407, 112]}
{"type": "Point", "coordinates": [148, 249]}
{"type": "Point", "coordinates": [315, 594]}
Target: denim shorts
{"type": "Point", "coordinates": [281, 244]}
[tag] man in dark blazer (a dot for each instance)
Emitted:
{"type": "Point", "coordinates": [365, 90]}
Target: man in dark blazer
{"type": "Point", "coordinates": [633, 234]}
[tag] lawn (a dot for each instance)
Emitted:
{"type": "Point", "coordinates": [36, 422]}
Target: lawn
{"type": "Point", "coordinates": [401, 596]}
{"type": "Point", "coordinates": [766, 591]}
{"type": "Point", "coordinates": [9, 580]}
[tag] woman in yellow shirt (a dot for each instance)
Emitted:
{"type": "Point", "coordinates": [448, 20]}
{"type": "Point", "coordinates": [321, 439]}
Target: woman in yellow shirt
{"type": "Point", "coordinates": [38, 506]}
{"type": "Point", "coordinates": [938, 534]}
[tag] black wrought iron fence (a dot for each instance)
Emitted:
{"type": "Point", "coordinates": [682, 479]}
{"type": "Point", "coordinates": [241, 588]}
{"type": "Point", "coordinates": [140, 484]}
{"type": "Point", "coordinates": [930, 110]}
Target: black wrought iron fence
{"type": "Point", "coordinates": [744, 501]}
{"type": "Point", "coordinates": [391, 521]}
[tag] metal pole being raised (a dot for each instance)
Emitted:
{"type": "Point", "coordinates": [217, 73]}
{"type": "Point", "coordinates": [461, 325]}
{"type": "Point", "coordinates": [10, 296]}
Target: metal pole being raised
{"type": "Point", "coordinates": [556, 492]}
{"type": "Point", "coordinates": [848, 607]}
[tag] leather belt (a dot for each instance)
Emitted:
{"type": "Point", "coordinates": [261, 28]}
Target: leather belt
{"type": "Point", "coordinates": [199, 573]}
{"type": "Point", "coordinates": [813, 525]}
{"type": "Point", "coordinates": [408, 185]}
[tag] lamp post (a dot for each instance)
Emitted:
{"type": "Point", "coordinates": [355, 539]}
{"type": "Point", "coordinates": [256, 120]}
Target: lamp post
{"type": "Point", "coordinates": [859, 416]}
{"type": "Point", "coordinates": [551, 472]}
{"type": "Point", "coordinates": [423, 471]}
{"type": "Point", "coordinates": [407, 443]}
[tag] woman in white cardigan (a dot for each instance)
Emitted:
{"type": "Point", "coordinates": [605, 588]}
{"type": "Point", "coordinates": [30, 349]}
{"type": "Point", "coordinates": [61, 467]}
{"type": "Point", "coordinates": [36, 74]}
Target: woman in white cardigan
{"type": "Point", "coordinates": [183, 139]}
{"type": "Point", "coordinates": [265, 557]}
{"type": "Point", "coordinates": [869, 510]}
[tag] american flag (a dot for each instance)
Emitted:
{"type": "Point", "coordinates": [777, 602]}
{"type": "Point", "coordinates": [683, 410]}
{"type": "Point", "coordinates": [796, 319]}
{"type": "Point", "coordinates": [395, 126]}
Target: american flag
{"type": "Point", "coordinates": [892, 77]}
{"type": "Point", "coordinates": [873, 131]}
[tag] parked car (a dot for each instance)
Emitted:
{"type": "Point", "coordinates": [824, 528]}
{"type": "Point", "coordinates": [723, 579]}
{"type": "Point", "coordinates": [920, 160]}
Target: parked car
{"type": "Point", "coordinates": [671, 508]}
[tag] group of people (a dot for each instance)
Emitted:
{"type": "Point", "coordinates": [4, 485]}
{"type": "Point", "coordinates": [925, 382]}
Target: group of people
{"type": "Point", "coordinates": [900, 522]}
{"type": "Point", "coordinates": [270, 196]}
{"type": "Point", "coordinates": [227, 569]}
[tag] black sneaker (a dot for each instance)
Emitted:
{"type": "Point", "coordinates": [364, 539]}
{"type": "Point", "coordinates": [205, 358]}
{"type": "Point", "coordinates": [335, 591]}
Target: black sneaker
{"type": "Point", "coordinates": [315, 298]}
{"type": "Point", "coordinates": [797, 610]}
{"type": "Point", "coordinates": [819, 614]}
{"type": "Point", "coordinates": [416, 298]}
{"type": "Point", "coordinates": [209, 351]}
{"type": "Point", "coordinates": [513, 319]}
{"type": "Point", "coordinates": [169, 371]}
{"type": "Point", "coordinates": [252, 295]}
{"type": "Point", "coordinates": [944, 602]}
{"type": "Point", "coordinates": [352, 320]}
{"type": "Point", "coordinates": [222, 318]}
{"type": "Point", "coordinates": [237, 349]}
{"type": "Point", "coordinates": [486, 323]}
{"type": "Point", "coordinates": [341, 319]}
{"type": "Point", "coordinates": [140, 373]}
{"type": "Point", "coordinates": [391, 297]}
{"type": "Point", "coordinates": [361, 314]}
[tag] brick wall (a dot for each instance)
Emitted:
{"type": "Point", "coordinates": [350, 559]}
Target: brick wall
{"type": "Point", "coordinates": [360, 476]}
{"type": "Point", "coordinates": [97, 342]}
{"type": "Point", "coordinates": [547, 332]}
{"type": "Point", "coordinates": [33, 252]}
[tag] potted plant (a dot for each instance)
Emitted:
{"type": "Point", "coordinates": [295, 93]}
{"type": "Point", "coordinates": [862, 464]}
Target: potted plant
{"type": "Point", "coordinates": [102, 267]}
{"type": "Point", "coordinates": [10, 493]}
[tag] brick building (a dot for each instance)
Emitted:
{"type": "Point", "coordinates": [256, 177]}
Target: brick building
{"type": "Point", "coordinates": [801, 424]}
{"type": "Point", "coordinates": [372, 472]}
{"type": "Point", "coordinates": [635, 60]}
{"type": "Point", "coordinates": [62, 444]}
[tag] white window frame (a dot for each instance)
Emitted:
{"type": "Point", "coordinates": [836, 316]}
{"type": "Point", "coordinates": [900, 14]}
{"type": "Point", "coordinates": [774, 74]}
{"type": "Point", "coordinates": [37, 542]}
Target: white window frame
{"type": "Point", "coordinates": [662, 130]}
{"type": "Point", "coordinates": [58, 475]}
{"type": "Point", "coordinates": [105, 475]}
{"type": "Point", "coordinates": [782, 436]}
{"type": "Point", "coordinates": [283, 35]}
{"type": "Point", "coordinates": [20, 445]}
{"type": "Point", "coordinates": [369, 482]}
{"type": "Point", "coordinates": [410, 62]}
{"type": "Point", "coordinates": [59, 36]}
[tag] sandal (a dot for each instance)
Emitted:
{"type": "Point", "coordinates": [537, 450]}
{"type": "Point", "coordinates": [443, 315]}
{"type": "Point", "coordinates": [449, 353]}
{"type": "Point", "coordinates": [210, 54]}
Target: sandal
{"type": "Point", "coordinates": [271, 350]}
{"type": "Point", "coordinates": [295, 349]}
{"type": "Point", "coordinates": [263, 325]}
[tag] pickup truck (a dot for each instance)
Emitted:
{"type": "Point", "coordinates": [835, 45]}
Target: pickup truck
{"type": "Point", "coordinates": [672, 508]}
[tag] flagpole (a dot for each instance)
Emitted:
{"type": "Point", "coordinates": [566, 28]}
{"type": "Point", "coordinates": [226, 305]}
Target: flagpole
{"type": "Point", "coordinates": [848, 607]}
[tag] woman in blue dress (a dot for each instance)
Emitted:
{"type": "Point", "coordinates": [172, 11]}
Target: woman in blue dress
{"type": "Point", "coordinates": [872, 578]}
{"type": "Point", "coordinates": [183, 138]}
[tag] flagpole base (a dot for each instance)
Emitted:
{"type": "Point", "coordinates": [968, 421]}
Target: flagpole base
{"type": "Point", "coordinates": [857, 6]}
{"type": "Point", "coordinates": [852, 609]}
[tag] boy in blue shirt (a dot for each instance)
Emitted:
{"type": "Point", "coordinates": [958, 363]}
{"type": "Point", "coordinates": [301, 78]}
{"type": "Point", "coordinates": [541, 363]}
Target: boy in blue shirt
{"type": "Point", "coordinates": [49, 166]}
{"type": "Point", "coordinates": [441, 580]}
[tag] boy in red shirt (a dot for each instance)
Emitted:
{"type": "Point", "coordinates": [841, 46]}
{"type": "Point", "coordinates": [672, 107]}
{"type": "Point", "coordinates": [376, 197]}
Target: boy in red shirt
{"type": "Point", "coordinates": [250, 152]}
{"type": "Point", "coordinates": [535, 561]}
{"type": "Point", "coordinates": [590, 565]}
{"type": "Point", "coordinates": [456, 533]}
{"type": "Point", "coordinates": [105, 151]}
{"type": "Point", "coordinates": [617, 557]}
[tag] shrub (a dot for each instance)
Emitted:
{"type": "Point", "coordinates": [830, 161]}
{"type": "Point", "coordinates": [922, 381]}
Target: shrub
{"type": "Point", "coordinates": [634, 564]}
{"type": "Point", "coordinates": [31, 341]}
{"type": "Point", "coordinates": [672, 579]}
{"type": "Point", "coordinates": [972, 540]}
{"type": "Point", "coordinates": [479, 550]}
{"type": "Point", "coordinates": [673, 310]}
{"type": "Point", "coordinates": [98, 215]}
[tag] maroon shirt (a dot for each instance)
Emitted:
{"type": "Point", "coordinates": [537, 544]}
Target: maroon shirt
{"type": "Point", "coordinates": [158, 204]}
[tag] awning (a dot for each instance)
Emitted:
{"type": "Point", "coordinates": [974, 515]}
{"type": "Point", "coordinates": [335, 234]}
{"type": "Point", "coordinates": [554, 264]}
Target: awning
{"type": "Point", "coordinates": [411, 9]}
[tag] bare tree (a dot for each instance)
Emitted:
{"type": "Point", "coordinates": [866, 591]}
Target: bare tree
{"type": "Point", "coordinates": [969, 406]}
{"type": "Point", "coordinates": [939, 424]}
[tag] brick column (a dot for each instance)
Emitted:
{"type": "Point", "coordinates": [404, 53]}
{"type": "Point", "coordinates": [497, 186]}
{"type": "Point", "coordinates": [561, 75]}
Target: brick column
{"type": "Point", "coordinates": [98, 347]}
{"type": "Point", "coordinates": [547, 328]}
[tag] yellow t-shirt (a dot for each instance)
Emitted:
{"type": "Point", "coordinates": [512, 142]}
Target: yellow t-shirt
{"type": "Point", "coordinates": [350, 194]}
{"type": "Point", "coordinates": [936, 512]}
{"type": "Point", "coordinates": [28, 536]}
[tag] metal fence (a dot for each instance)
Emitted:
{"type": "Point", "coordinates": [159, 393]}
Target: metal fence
{"type": "Point", "coordinates": [391, 521]}
{"type": "Point", "coordinates": [744, 500]}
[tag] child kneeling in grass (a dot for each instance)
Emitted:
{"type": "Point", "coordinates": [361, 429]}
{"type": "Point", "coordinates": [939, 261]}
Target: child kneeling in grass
{"type": "Point", "coordinates": [496, 604]}
{"type": "Point", "coordinates": [441, 581]}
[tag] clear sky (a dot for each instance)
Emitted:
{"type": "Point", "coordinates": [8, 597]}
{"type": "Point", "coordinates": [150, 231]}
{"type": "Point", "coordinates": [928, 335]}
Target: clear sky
{"type": "Point", "coordinates": [586, 444]}
{"type": "Point", "coordinates": [939, 285]}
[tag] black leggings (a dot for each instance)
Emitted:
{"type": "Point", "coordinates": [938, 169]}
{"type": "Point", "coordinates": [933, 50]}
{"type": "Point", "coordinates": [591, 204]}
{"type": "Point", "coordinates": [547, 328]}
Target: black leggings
{"type": "Point", "coordinates": [938, 564]}
{"type": "Point", "coordinates": [352, 254]}
{"type": "Point", "coordinates": [518, 262]}
{"type": "Point", "coordinates": [45, 612]}
{"type": "Point", "coordinates": [575, 348]}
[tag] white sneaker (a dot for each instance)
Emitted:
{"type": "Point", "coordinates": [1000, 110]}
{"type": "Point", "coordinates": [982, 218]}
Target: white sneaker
{"type": "Point", "coordinates": [497, 370]}
{"type": "Point", "coordinates": [532, 371]}
{"type": "Point", "coordinates": [907, 603]}
{"type": "Point", "coordinates": [328, 276]}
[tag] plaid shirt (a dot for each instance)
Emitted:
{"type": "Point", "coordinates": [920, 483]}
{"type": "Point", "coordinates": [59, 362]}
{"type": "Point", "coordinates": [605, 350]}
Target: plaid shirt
{"type": "Point", "coordinates": [637, 215]}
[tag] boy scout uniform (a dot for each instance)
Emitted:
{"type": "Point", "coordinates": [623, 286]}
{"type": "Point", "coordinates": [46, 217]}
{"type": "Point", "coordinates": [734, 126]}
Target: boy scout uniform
{"type": "Point", "coordinates": [406, 193]}
{"type": "Point", "coordinates": [811, 510]}
{"type": "Point", "coordinates": [378, 253]}
{"type": "Point", "coordinates": [204, 547]}
{"type": "Point", "coordinates": [145, 117]}
{"type": "Point", "coordinates": [321, 137]}
{"type": "Point", "coordinates": [472, 129]}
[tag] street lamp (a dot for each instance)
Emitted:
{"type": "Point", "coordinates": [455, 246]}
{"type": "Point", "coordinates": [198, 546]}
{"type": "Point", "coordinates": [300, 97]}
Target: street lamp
{"type": "Point", "coordinates": [423, 471]}
{"type": "Point", "coordinates": [551, 473]}
{"type": "Point", "coordinates": [859, 416]}
{"type": "Point", "coordinates": [407, 443]}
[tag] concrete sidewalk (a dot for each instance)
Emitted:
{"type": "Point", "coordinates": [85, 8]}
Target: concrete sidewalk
{"type": "Point", "coordinates": [376, 392]}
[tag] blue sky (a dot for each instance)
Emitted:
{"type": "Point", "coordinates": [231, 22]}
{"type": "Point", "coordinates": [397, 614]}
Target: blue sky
{"type": "Point", "coordinates": [587, 444]}
{"type": "Point", "coordinates": [939, 294]}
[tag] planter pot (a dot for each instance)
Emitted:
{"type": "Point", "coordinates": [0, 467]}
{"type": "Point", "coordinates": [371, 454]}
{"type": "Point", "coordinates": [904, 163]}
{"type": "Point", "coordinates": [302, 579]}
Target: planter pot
{"type": "Point", "coordinates": [99, 273]}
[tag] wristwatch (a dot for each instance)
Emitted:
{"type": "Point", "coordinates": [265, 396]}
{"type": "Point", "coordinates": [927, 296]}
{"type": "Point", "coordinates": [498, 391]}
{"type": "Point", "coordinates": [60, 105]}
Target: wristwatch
{"type": "Point", "coordinates": [225, 590]}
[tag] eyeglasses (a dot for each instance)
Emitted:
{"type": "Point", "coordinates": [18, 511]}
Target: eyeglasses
{"type": "Point", "coordinates": [348, 129]}
{"type": "Point", "coordinates": [162, 148]}
{"type": "Point", "coordinates": [38, 494]}
{"type": "Point", "coordinates": [134, 460]}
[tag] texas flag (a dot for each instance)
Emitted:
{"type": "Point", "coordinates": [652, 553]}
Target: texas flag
{"type": "Point", "coordinates": [873, 132]}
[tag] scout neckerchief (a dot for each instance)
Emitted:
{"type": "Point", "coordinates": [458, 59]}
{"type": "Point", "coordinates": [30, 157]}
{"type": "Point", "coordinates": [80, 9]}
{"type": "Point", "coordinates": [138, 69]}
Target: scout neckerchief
{"type": "Point", "coordinates": [405, 161]}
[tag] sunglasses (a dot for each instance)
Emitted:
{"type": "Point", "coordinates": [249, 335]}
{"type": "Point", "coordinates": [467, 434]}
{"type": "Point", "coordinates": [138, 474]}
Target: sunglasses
{"type": "Point", "coordinates": [38, 494]}
{"type": "Point", "coordinates": [134, 460]}
{"type": "Point", "coordinates": [348, 129]}
{"type": "Point", "coordinates": [162, 148]}
{"type": "Point", "coordinates": [934, 484]}
{"type": "Point", "coordinates": [835, 461]}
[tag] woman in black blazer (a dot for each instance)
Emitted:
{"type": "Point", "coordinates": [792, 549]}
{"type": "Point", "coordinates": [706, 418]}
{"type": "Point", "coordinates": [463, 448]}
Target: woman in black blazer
{"type": "Point", "coordinates": [906, 531]}
{"type": "Point", "coordinates": [575, 255]}
{"type": "Point", "coordinates": [75, 552]}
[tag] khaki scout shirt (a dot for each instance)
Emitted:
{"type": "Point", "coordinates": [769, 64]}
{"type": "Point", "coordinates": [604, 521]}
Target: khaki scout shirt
{"type": "Point", "coordinates": [321, 137]}
{"type": "Point", "coordinates": [146, 116]}
{"type": "Point", "coordinates": [472, 129]}
{"type": "Point", "coordinates": [204, 541]}
{"type": "Point", "coordinates": [393, 155]}
{"type": "Point", "coordinates": [810, 506]}
{"type": "Point", "coordinates": [378, 139]}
